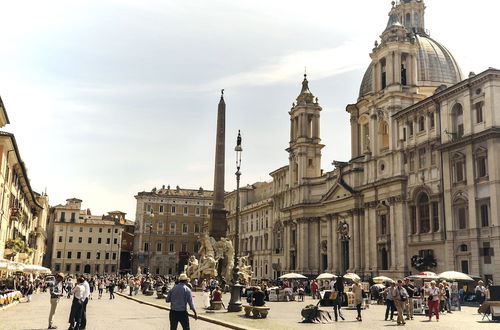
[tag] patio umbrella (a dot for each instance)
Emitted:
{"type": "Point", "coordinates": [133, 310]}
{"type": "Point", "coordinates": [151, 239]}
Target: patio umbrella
{"type": "Point", "coordinates": [326, 276]}
{"type": "Point", "coordinates": [290, 276]}
{"type": "Point", "coordinates": [455, 276]}
{"type": "Point", "coordinates": [378, 286]}
{"type": "Point", "coordinates": [4, 264]}
{"type": "Point", "coordinates": [382, 279]}
{"type": "Point", "coordinates": [352, 276]}
{"type": "Point", "coordinates": [424, 276]}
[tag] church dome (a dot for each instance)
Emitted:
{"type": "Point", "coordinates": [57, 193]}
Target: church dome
{"type": "Point", "coordinates": [435, 66]}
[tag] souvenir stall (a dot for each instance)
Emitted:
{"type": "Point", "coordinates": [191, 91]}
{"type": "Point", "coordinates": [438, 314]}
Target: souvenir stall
{"type": "Point", "coordinates": [8, 293]}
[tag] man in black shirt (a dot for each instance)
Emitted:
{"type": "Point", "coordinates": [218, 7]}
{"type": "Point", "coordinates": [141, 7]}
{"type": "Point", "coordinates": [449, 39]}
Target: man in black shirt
{"type": "Point", "coordinates": [258, 297]}
{"type": "Point", "coordinates": [409, 302]}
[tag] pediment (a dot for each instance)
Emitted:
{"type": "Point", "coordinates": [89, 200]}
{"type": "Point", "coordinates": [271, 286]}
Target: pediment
{"type": "Point", "coordinates": [336, 192]}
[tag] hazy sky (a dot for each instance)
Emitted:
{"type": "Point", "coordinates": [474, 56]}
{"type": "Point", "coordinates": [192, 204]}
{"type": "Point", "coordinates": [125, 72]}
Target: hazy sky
{"type": "Point", "coordinates": [109, 98]}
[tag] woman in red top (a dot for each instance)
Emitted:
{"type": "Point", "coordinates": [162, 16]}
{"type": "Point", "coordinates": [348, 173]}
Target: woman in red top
{"type": "Point", "coordinates": [217, 294]}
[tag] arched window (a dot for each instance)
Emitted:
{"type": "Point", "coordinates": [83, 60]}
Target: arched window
{"type": "Point", "coordinates": [408, 20]}
{"type": "Point", "coordinates": [458, 120]}
{"type": "Point", "coordinates": [415, 20]}
{"type": "Point", "coordinates": [423, 213]}
{"type": "Point", "coordinates": [463, 248]}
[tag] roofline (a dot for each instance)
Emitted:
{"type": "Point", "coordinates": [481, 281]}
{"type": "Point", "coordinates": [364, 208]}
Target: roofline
{"type": "Point", "coordinates": [450, 89]}
{"type": "Point", "coordinates": [277, 170]}
{"type": "Point", "coordinates": [21, 163]}
{"type": "Point", "coordinates": [4, 111]}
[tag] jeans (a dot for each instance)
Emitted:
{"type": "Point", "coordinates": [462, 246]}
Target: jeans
{"type": "Point", "coordinates": [83, 323]}
{"type": "Point", "coordinates": [390, 307]}
{"type": "Point", "coordinates": [176, 317]}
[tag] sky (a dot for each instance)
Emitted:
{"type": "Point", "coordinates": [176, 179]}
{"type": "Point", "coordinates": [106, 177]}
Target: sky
{"type": "Point", "coordinates": [109, 98]}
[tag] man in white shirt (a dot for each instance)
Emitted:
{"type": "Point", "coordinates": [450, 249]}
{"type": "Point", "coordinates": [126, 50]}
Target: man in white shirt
{"type": "Point", "coordinates": [86, 295]}
{"type": "Point", "coordinates": [75, 315]}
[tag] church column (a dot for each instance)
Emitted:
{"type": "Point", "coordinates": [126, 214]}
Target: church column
{"type": "Point", "coordinates": [354, 136]}
{"type": "Point", "coordinates": [287, 246]}
{"type": "Point", "coordinates": [389, 66]}
{"type": "Point", "coordinates": [373, 239]}
{"type": "Point", "coordinates": [355, 242]}
{"type": "Point", "coordinates": [315, 246]}
{"type": "Point", "coordinates": [315, 132]}
{"type": "Point", "coordinates": [394, 239]}
{"type": "Point", "coordinates": [414, 70]}
{"type": "Point", "coordinates": [397, 68]}
{"type": "Point", "coordinates": [329, 244]}
{"type": "Point", "coordinates": [291, 129]}
{"type": "Point", "coordinates": [367, 240]}
{"type": "Point", "coordinates": [305, 245]}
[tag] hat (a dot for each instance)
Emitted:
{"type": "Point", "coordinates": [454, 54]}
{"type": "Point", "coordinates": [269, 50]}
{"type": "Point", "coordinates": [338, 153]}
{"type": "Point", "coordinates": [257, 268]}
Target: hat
{"type": "Point", "coordinates": [183, 277]}
{"type": "Point", "coordinates": [60, 275]}
{"type": "Point", "coordinates": [356, 280]}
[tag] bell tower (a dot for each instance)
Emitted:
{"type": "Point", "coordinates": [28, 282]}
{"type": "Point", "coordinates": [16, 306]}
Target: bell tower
{"type": "Point", "coordinates": [305, 147]}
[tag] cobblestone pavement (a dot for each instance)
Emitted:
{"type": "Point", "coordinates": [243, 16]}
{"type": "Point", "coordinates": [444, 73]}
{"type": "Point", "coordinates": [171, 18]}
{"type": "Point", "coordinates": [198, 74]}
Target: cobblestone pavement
{"type": "Point", "coordinates": [119, 313]}
{"type": "Point", "coordinates": [286, 315]}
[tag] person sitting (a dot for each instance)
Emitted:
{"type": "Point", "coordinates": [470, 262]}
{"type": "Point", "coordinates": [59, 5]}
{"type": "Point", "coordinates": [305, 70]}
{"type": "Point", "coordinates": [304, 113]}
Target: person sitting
{"type": "Point", "coordinates": [257, 298]}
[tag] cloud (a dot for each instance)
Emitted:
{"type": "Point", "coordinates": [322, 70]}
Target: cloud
{"type": "Point", "coordinates": [320, 64]}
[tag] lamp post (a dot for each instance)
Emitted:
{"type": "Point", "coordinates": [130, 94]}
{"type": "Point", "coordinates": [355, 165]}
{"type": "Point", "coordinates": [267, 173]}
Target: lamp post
{"type": "Point", "coordinates": [150, 226]}
{"type": "Point", "coordinates": [235, 302]}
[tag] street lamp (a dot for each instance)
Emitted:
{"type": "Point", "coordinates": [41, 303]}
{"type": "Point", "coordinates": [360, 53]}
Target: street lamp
{"type": "Point", "coordinates": [150, 226]}
{"type": "Point", "coordinates": [235, 302]}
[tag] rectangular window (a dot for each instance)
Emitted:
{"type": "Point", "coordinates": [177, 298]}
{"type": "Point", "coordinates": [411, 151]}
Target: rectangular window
{"type": "Point", "coordinates": [481, 167]}
{"type": "Point", "coordinates": [116, 230]}
{"type": "Point", "coordinates": [412, 160]}
{"type": "Point", "coordinates": [171, 247]}
{"type": "Point", "coordinates": [172, 227]}
{"type": "Point", "coordinates": [484, 215]}
{"type": "Point", "coordinates": [421, 158]}
{"type": "Point", "coordinates": [459, 171]}
{"type": "Point", "coordinates": [433, 157]}
{"type": "Point", "coordinates": [100, 230]}
{"type": "Point", "coordinates": [81, 229]}
{"type": "Point", "coordinates": [161, 208]}
{"type": "Point", "coordinates": [184, 227]}
{"type": "Point", "coordinates": [90, 229]}
{"type": "Point", "coordinates": [59, 254]}
{"type": "Point", "coordinates": [479, 112]}
{"type": "Point", "coordinates": [108, 240]}
{"type": "Point", "coordinates": [88, 255]}
{"type": "Point", "coordinates": [97, 268]}
{"type": "Point", "coordinates": [63, 216]}
{"type": "Point", "coordinates": [196, 227]}
{"type": "Point", "coordinates": [404, 133]}
{"type": "Point", "coordinates": [69, 255]}
{"type": "Point", "coordinates": [184, 247]}
{"type": "Point", "coordinates": [113, 268]}
{"type": "Point", "coordinates": [60, 228]}
{"type": "Point", "coordinates": [60, 239]}
{"type": "Point", "coordinates": [435, 216]}
{"type": "Point", "coordinates": [58, 267]}
{"type": "Point", "coordinates": [413, 219]}
{"type": "Point", "coordinates": [89, 240]}
{"type": "Point", "coordinates": [70, 239]}
{"type": "Point", "coordinates": [106, 268]}
{"type": "Point", "coordinates": [487, 252]}
{"type": "Point", "coordinates": [73, 217]}
{"type": "Point", "coordinates": [115, 241]}
{"type": "Point", "coordinates": [197, 211]}
{"type": "Point", "coordinates": [114, 255]}
{"type": "Point", "coordinates": [158, 247]}
{"type": "Point", "coordinates": [146, 246]}
{"type": "Point", "coordinates": [99, 240]}
{"type": "Point", "coordinates": [410, 128]}
{"type": "Point", "coordinates": [173, 209]}
{"type": "Point", "coordinates": [80, 239]}
{"type": "Point", "coordinates": [109, 230]}
{"type": "Point", "coordinates": [107, 255]}
{"type": "Point", "coordinates": [383, 224]}
{"type": "Point", "coordinates": [432, 120]}
{"type": "Point", "coordinates": [78, 255]}
{"type": "Point", "coordinates": [462, 218]}
{"type": "Point", "coordinates": [77, 268]}
{"type": "Point", "coordinates": [185, 210]}
{"type": "Point", "coordinates": [68, 268]}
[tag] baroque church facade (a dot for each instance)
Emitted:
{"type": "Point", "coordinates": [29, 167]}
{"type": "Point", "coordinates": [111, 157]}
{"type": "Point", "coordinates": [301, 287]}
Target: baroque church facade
{"type": "Point", "coordinates": [421, 190]}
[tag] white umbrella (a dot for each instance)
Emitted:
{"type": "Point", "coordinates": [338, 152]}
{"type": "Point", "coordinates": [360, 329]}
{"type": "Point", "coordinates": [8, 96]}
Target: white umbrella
{"type": "Point", "coordinates": [292, 276]}
{"type": "Point", "coordinates": [424, 276]}
{"type": "Point", "coordinates": [378, 286]}
{"type": "Point", "coordinates": [382, 279]}
{"type": "Point", "coordinates": [455, 276]}
{"type": "Point", "coordinates": [4, 264]}
{"type": "Point", "coordinates": [326, 276]}
{"type": "Point", "coordinates": [352, 276]}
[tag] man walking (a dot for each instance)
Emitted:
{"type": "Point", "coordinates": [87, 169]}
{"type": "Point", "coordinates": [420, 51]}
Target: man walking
{"type": "Point", "coordinates": [410, 289]}
{"type": "Point", "coordinates": [178, 297]}
{"type": "Point", "coordinates": [56, 292]}
{"type": "Point", "coordinates": [86, 296]}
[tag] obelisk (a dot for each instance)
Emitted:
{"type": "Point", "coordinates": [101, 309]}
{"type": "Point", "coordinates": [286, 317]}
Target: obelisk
{"type": "Point", "coordinates": [218, 223]}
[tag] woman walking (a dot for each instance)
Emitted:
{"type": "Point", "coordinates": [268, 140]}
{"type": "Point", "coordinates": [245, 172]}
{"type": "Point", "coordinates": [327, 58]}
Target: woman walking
{"type": "Point", "coordinates": [75, 316]}
{"type": "Point", "coordinates": [433, 300]}
{"type": "Point", "coordinates": [357, 290]}
{"type": "Point", "coordinates": [101, 287]}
